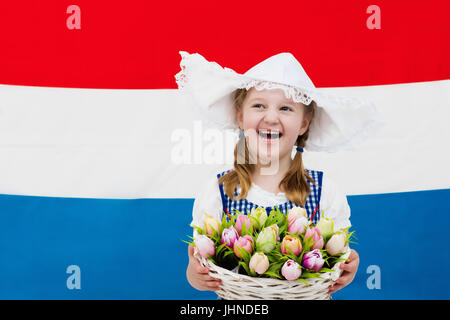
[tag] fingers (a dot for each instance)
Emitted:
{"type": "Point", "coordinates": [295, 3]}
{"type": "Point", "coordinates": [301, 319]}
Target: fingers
{"type": "Point", "coordinates": [207, 277]}
{"type": "Point", "coordinates": [213, 284]}
{"type": "Point", "coordinates": [198, 268]}
{"type": "Point", "coordinates": [334, 288]}
{"type": "Point", "coordinates": [203, 281]}
{"type": "Point", "coordinates": [340, 282]}
{"type": "Point", "coordinates": [206, 282]}
{"type": "Point", "coordinates": [346, 267]}
{"type": "Point", "coordinates": [198, 275]}
{"type": "Point", "coordinates": [203, 273]}
{"type": "Point", "coordinates": [344, 279]}
{"type": "Point", "coordinates": [349, 268]}
{"type": "Point", "coordinates": [353, 259]}
{"type": "Point", "coordinates": [209, 283]}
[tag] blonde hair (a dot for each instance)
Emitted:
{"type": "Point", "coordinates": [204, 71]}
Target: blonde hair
{"type": "Point", "coordinates": [294, 183]}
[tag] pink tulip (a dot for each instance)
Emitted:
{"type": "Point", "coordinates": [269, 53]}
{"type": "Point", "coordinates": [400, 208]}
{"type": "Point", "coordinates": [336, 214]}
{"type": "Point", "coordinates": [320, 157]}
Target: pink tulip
{"type": "Point", "coordinates": [317, 238]}
{"type": "Point", "coordinates": [259, 263]}
{"type": "Point", "coordinates": [229, 236]}
{"type": "Point", "coordinates": [313, 260]}
{"type": "Point", "coordinates": [204, 245]}
{"type": "Point", "coordinates": [291, 270]}
{"type": "Point", "coordinates": [240, 220]}
{"type": "Point", "coordinates": [295, 213]}
{"type": "Point", "coordinates": [298, 225]}
{"type": "Point", "coordinates": [244, 243]}
{"type": "Point", "coordinates": [291, 243]}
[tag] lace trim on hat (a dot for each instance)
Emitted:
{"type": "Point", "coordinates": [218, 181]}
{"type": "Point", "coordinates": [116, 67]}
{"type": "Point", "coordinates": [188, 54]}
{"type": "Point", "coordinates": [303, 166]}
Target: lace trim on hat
{"type": "Point", "coordinates": [289, 91]}
{"type": "Point", "coordinates": [182, 77]}
{"type": "Point", "coordinates": [194, 64]}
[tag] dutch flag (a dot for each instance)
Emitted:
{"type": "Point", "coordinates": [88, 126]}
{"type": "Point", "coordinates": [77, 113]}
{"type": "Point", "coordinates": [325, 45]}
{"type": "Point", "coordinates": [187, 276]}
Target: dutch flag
{"type": "Point", "coordinates": [95, 196]}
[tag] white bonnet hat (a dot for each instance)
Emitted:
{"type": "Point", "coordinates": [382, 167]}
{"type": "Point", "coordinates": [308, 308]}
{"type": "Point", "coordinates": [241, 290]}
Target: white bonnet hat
{"type": "Point", "coordinates": [339, 123]}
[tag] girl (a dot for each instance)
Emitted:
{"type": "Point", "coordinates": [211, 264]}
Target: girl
{"type": "Point", "coordinates": [276, 108]}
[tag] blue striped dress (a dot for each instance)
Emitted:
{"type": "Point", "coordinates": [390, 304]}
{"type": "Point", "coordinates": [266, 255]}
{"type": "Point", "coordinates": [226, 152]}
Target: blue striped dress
{"type": "Point", "coordinates": [244, 206]}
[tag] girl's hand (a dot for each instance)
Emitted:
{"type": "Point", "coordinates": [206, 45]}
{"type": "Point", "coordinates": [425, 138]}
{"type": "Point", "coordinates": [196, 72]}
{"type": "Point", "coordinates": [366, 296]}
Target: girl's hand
{"type": "Point", "coordinates": [198, 276]}
{"type": "Point", "coordinates": [350, 267]}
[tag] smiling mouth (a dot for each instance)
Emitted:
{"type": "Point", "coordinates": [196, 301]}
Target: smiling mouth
{"type": "Point", "coordinates": [270, 135]}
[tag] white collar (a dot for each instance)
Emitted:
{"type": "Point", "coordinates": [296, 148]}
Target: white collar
{"type": "Point", "coordinates": [279, 195]}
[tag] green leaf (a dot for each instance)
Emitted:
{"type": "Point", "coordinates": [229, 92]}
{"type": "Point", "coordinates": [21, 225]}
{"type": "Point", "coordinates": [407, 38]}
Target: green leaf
{"type": "Point", "coordinates": [273, 274]}
{"type": "Point", "coordinates": [228, 253]}
{"type": "Point", "coordinates": [307, 245]}
{"type": "Point", "coordinates": [291, 255]}
{"type": "Point", "coordinates": [341, 260]}
{"type": "Point", "coordinates": [235, 213]}
{"type": "Point", "coordinates": [245, 255]}
{"type": "Point", "coordinates": [275, 267]}
{"type": "Point", "coordinates": [304, 281]}
{"type": "Point", "coordinates": [246, 231]}
{"type": "Point", "coordinates": [212, 260]}
{"type": "Point", "coordinates": [245, 266]}
{"type": "Point", "coordinates": [326, 270]}
{"type": "Point", "coordinates": [254, 222]}
{"type": "Point", "coordinates": [275, 256]}
{"type": "Point", "coordinates": [199, 230]}
{"type": "Point", "coordinates": [222, 246]}
{"type": "Point", "coordinates": [311, 275]}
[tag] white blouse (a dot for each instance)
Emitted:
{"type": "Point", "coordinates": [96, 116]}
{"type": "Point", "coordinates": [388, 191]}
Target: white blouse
{"type": "Point", "coordinates": [333, 202]}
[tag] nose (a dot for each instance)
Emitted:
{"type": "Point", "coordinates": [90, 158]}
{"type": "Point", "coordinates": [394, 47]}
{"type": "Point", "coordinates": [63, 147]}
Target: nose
{"type": "Point", "coordinates": [271, 115]}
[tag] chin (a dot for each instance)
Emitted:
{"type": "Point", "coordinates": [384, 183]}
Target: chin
{"type": "Point", "coordinates": [267, 158]}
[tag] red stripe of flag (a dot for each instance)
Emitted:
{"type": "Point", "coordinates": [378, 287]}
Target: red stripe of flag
{"type": "Point", "coordinates": [135, 44]}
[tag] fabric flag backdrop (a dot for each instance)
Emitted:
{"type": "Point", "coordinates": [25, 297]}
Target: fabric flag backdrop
{"type": "Point", "coordinates": [97, 184]}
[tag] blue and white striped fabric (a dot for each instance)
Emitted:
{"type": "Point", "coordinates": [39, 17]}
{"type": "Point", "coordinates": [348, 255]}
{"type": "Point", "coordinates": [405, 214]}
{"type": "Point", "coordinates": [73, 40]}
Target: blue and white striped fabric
{"type": "Point", "coordinates": [312, 204]}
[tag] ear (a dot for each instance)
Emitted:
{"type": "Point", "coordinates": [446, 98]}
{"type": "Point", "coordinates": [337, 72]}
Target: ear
{"type": "Point", "coordinates": [305, 123]}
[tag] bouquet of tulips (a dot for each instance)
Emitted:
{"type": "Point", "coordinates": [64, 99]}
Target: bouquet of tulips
{"type": "Point", "coordinates": [272, 245]}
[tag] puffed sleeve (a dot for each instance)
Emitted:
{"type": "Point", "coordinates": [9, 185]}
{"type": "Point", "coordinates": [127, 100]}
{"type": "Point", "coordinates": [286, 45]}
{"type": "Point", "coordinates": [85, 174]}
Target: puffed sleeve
{"type": "Point", "coordinates": [333, 203]}
{"type": "Point", "coordinates": [208, 201]}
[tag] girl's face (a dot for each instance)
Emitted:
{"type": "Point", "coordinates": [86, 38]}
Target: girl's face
{"type": "Point", "coordinates": [270, 110]}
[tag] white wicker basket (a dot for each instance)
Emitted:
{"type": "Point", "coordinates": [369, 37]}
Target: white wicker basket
{"type": "Point", "coordinates": [237, 286]}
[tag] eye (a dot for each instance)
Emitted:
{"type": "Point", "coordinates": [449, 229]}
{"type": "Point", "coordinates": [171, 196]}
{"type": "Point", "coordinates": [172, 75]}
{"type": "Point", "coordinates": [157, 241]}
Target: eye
{"type": "Point", "coordinates": [257, 106]}
{"type": "Point", "coordinates": [287, 108]}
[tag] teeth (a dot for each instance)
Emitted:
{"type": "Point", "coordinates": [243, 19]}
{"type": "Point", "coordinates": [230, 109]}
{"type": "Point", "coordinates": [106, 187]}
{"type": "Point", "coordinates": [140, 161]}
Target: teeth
{"type": "Point", "coordinates": [269, 134]}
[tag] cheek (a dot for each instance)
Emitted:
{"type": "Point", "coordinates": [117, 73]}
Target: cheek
{"type": "Point", "coordinates": [250, 121]}
{"type": "Point", "coordinates": [292, 129]}
{"type": "Point", "coordinates": [291, 134]}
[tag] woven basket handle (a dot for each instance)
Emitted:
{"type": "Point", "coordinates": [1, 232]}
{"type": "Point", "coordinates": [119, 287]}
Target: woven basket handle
{"type": "Point", "coordinates": [338, 271]}
{"type": "Point", "coordinates": [200, 258]}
